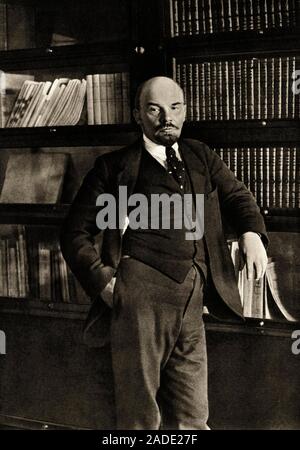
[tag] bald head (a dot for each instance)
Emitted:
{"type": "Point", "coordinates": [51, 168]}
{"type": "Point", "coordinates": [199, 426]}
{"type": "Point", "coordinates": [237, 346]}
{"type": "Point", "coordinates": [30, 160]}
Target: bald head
{"type": "Point", "coordinates": [157, 85]}
{"type": "Point", "coordinates": [160, 110]}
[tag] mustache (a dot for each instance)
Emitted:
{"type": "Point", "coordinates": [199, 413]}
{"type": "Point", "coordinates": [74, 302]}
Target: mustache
{"type": "Point", "coordinates": [166, 125]}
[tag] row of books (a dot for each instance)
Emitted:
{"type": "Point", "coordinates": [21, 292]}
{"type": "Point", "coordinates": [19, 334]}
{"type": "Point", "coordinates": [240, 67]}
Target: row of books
{"type": "Point", "coordinates": [108, 99]}
{"type": "Point", "coordinates": [194, 17]}
{"type": "Point", "coordinates": [25, 102]}
{"type": "Point", "coordinates": [244, 89]}
{"type": "Point", "coordinates": [261, 298]}
{"type": "Point", "coordinates": [271, 173]}
{"type": "Point", "coordinates": [31, 269]}
{"type": "Point", "coordinates": [46, 103]}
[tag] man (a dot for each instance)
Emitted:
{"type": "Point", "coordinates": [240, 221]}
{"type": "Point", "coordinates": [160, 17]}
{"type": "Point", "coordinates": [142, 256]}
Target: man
{"type": "Point", "coordinates": [157, 335]}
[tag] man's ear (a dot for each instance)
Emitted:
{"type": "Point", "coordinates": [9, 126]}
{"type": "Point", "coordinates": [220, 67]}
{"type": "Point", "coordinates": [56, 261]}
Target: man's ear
{"type": "Point", "coordinates": [137, 116]}
{"type": "Point", "coordinates": [184, 108]}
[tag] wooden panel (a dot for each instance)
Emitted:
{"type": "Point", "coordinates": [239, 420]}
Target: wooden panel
{"type": "Point", "coordinates": [253, 382]}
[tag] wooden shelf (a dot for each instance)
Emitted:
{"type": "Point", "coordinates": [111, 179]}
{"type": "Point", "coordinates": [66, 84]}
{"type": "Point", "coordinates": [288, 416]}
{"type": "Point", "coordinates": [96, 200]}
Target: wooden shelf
{"type": "Point", "coordinates": [72, 136]}
{"type": "Point", "coordinates": [35, 307]}
{"type": "Point", "coordinates": [248, 133]}
{"type": "Point", "coordinates": [277, 219]}
{"type": "Point", "coordinates": [68, 55]}
{"type": "Point", "coordinates": [282, 219]}
{"type": "Point", "coordinates": [235, 44]}
{"type": "Point", "coordinates": [33, 214]}
{"type": "Point", "coordinates": [218, 133]}
{"type": "Point", "coordinates": [263, 327]}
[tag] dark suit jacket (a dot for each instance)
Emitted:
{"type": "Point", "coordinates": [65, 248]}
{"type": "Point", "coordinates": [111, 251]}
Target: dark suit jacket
{"type": "Point", "coordinates": [94, 255]}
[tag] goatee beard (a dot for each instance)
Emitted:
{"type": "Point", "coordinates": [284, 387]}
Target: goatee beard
{"type": "Point", "coordinates": [167, 140]}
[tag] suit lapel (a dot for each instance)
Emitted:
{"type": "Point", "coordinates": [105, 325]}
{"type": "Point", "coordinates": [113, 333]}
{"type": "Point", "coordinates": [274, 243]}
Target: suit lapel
{"type": "Point", "coordinates": [129, 167]}
{"type": "Point", "coordinates": [195, 168]}
{"type": "Point", "coordinates": [127, 175]}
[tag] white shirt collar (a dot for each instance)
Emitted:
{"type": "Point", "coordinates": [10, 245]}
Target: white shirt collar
{"type": "Point", "coordinates": [150, 145]}
{"type": "Point", "coordinates": [159, 151]}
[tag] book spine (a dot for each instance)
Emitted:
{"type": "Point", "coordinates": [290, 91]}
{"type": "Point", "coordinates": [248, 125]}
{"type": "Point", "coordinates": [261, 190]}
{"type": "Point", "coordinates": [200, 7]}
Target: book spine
{"type": "Point", "coordinates": [44, 274]}
{"type": "Point", "coordinates": [258, 299]}
{"type": "Point", "coordinates": [188, 15]}
{"type": "Point", "coordinates": [110, 93]}
{"type": "Point", "coordinates": [256, 89]}
{"type": "Point", "coordinates": [240, 164]}
{"type": "Point", "coordinates": [259, 176]}
{"type": "Point", "coordinates": [235, 15]}
{"type": "Point", "coordinates": [256, 15]}
{"type": "Point", "coordinates": [213, 94]}
{"type": "Point", "coordinates": [118, 97]}
{"type": "Point", "coordinates": [293, 171]}
{"type": "Point", "coordinates": [247, 167]}
{"type": "Point", "coordinates": [126, 97]}
{"type": "Point", "coordinates": [196, 91]}
{"type": "Point", "coordinates": [103, 98]}
{"type": "Point", "coordinates": [195, 17]}
{"type": "Point", "coordinates": [189, 96]}
{"type": "Point", "coordinates": [244, 112]}
{"type": "Point", "coordinates": [264, 88]}
{"type": "Point", "coordinates": [176, 18]}
{"type": "Point", "coordinates": [266, 177]}
{"type": "Point", "coordinates": [171, 17]}
{"type": "Point", "coordinates": [202, 92]}
{"type": "Point", "coordinates": [253, 172]}
{"type": "Point", "coordinates": [249, 15]}
{"type": "Point", "coordinates": [96, 99]}
{"type": "Point", "coordinates": [203, 17]}
{"type": "Point", "coordinates": [272, 178]}
{"type": "Point", "coordinates": [232, 90]}
{"type": "Point", "coordinates": [207, 91]}
{"type": "Point", "coordinates": [13, 282]}
{"type": "Point", "coordinates": [284, 87]}
{"type": "Point", "coordinates": [297, 178]}
{"type": "Point", "coordinates": [270, 88]}
{"type": "Point", "coordinates": [181, 17]}
{"type": "Point", "coordinates": [243, 14]}
{"type": "Point", "coordinates": [286, 174]}
{"type": "Point", "coordinates": [278, 88]}
{"type": "Point", "coordinates": [209, 17]}
{"type": "Point", "coordinates": [278, 177]}
{"type": "Point", "coordinates": [219, 91]}
{"type": "Point", "coordinates": [250, 89]}
{"type": "Point", "coordinates": [233, 160]}
{"type": "Point", "coordinates": [278, 14]}
{"type": "Point", "coordinates": [292, 96]}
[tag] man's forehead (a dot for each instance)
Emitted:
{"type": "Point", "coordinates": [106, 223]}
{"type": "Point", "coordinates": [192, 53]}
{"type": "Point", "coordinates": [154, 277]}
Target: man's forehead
{"type": "Point", "coordinates": [160, 93]}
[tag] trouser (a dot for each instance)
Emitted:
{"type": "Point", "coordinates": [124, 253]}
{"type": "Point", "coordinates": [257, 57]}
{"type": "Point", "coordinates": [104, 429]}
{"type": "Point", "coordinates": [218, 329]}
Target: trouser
{"type": "Point", "coordinates": [158, 349]}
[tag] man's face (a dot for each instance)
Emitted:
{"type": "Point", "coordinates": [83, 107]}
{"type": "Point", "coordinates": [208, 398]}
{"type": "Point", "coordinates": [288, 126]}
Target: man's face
{"type": "Point", "coordinates": [162, 111]}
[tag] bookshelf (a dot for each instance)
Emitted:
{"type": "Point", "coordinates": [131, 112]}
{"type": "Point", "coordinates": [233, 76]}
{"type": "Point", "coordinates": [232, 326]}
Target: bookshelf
{"type": "Point", "coordinates": [145, 44]}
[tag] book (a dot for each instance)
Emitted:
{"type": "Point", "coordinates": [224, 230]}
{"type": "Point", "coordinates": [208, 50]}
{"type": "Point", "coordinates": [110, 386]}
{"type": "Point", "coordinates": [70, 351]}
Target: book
{"type": "Point", "coordinates": [34, 178]}
{"type": "Point", "coordinates": [275, 303]}
{"type": "Point", "coordinates": [11, 85]}
{"type": "Point", "coordinates": [192, 17]}
{"type": "Point", "coordinates": [256, 88]}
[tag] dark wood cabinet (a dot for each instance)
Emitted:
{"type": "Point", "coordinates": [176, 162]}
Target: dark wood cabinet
{"type": "Point", "coordinates": [49, 379]}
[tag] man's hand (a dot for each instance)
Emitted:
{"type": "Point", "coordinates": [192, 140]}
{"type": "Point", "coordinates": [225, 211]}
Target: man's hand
{"type": "Point", "coordinates": [254, 255]}
{"type": "Point", "coordinates": [107, 294]}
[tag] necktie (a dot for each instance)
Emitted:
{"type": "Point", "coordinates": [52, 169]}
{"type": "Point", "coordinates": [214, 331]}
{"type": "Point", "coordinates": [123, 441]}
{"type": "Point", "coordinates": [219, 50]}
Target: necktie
{"type": "Point", "coordinates": [175, 166]}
